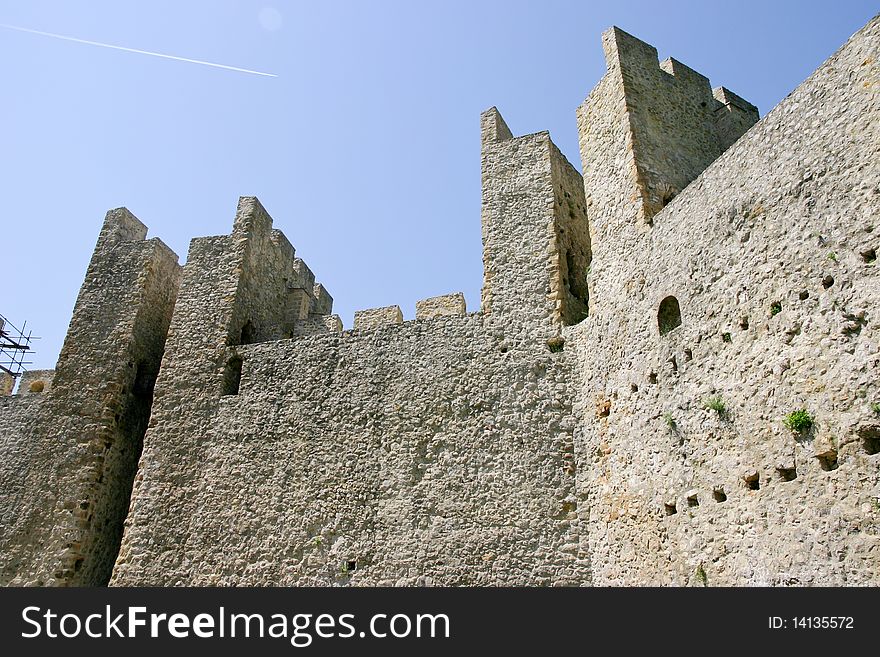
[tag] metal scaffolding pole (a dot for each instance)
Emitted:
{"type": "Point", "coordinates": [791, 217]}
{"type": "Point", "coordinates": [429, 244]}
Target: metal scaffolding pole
{"type": "Point", "coordinates": [15, 344]}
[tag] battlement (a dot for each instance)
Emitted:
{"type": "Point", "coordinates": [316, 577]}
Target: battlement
{"type": "Point", "coordinates": [633, 59]}
{"type": "Point", "coordinates": [120, 225]}
{"type": "Point", "coordinates": [317, 325]}
{"type": "Point", "coordinates": [447, 305]}
{"type": "Point", "coordinates": [273, 261]}
{"type": "Point", "coordinates": [251, 219]}
{"type": "Point", "coordinates": [733, 116]}
{"type": "Point", "coordinates": [376, 317]}
{"type": "Point", "coordinates": [674, 126]}
{"type": "Point", "coordinates": [322, 302]}
{"type": "Point", "coordinates": [517, 445]}
{"type": "Point", "coordinates": [442, 306]}
{"type": "Point", "coordinates": [35, 382]}
{"type": "Point", "coordinates": [731, 100]}
{"type": "Point", "coordinates": [493, 127]}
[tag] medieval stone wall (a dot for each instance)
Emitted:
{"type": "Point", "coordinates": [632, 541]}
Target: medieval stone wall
{"type": "Point", "coordinates": [619, 412]}
{"type": "Point", "coordinates": [69, 454]}
{"type": "Point", "coordinates": [687, 472]}
{"type": "Point", "coordinates": [429, 452]}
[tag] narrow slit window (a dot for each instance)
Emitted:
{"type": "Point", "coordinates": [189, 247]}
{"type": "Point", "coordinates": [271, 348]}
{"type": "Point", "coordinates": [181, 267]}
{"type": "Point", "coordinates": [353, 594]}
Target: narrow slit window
{"type": "Point", "coordinates": [232, 376]}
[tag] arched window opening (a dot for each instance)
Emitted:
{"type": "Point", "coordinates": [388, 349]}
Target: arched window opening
{"type": "Point", "coordinates": [248, 333]}
{"type": "Point", "coordinates": [669, 315]}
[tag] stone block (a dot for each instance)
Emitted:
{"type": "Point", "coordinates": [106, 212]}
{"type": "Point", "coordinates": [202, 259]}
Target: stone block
{"type": "Point", "coordinates": [376, 317]}
{"type": "Point", "coordinates": [448, 304]}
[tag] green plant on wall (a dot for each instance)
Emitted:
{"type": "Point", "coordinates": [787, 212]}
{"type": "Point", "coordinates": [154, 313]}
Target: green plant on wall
{"type": "Point", "coordinates": [715, 404]}
{"type": "Point", "coordinates": [700, 574]}
{"type": "Point", "coordinates": [798, 421]}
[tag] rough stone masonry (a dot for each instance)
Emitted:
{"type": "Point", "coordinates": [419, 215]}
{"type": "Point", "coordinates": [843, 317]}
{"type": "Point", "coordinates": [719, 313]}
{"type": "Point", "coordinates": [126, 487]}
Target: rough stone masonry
{"type": "Point", "coordinates": [672, 378]}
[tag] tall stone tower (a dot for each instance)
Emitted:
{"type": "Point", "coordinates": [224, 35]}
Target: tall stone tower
{"type": "Point", "coordinates": [646, 131]}
{"type": "Point", "coordinates": [67, 471]}
{"type": "Point", "coordinates": [235, 290]}
{"type": "Point", "coordinates": [536, 241]}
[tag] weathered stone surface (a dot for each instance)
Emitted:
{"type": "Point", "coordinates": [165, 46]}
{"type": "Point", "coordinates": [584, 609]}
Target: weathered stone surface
{"type": "Point", "coordinates": [649, 128]}
{"type": "Point", "coordinates": [333, 452]}
{"type": "Point", "coordinates": [69, 454]}
{"type": "Point", "coordinates": [377, 317]}
{"type": "Point", "coordinates": [536, 242]}
{"type": "Point", "coordinates": [672, 379]}
{"type": "Point", "coordinates": [448, 304]}
{"type": "Point", "coordinates": [317, 325]}
{"type": "Point", "coordinates": [749, 249]}
{"type": "Point", "coordinates": [35, 381]}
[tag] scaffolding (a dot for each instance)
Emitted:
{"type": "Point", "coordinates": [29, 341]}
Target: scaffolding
{"type": "Point", "coordinates": [15, 344]}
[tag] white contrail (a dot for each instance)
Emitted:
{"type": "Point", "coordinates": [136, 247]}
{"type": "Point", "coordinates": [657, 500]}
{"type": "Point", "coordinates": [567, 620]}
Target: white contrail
{"type": "Point", "coordinates": [142, 52]}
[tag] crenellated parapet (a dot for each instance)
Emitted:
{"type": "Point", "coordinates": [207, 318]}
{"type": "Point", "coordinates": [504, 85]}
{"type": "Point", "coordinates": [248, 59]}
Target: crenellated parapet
{"type": "Point", "coordinates": [376, 317]}
{"type": "Point", "coordinates": [442, 306]}
{"type": "Point", "coordinates": [275, 291]}
{"type": "Point", "coordinates": [646, 131]}
{"type": "Point", "coordinates": [447, 305]}
{"type": "Point", "coordinates": [733, 116]}
{"type": "Point", "coordinates": [716, 418]}
{"type": "Point", "coordinates": [649, 128]}
{"type": "Point", "coordinates": [34, 382]}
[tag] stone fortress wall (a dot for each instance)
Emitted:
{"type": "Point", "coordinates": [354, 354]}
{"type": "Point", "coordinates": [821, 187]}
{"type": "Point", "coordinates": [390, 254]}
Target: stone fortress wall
{"type": "Point", "coordinates": [613, 414]}
{"type": "Point", "coordinates": [70, 451]}
{"type": "Point", "coordinates": [770, 256]}
{"type": "Point", "coordinates": [401, 453]}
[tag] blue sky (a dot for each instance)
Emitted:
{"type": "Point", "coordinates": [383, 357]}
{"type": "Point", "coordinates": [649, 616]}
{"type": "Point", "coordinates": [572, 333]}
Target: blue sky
{"type": "Point", "coordinates": [365, 148]}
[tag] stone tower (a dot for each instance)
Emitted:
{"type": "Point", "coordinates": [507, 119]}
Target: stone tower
{"type": "Point", "coordinates": [532, 196]}
{"type": "Point", "coordinates": [618, 412]}
{"type": "Point", "coordinates": [67, 470]}
{"type": "Point", "coordinates": [646, 131]}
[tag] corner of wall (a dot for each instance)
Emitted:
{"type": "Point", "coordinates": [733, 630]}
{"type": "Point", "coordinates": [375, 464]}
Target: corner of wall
{"type": "Point", "coordinates": [85, 436]}
{"type": "Point", "coordinates": [492, 127]}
